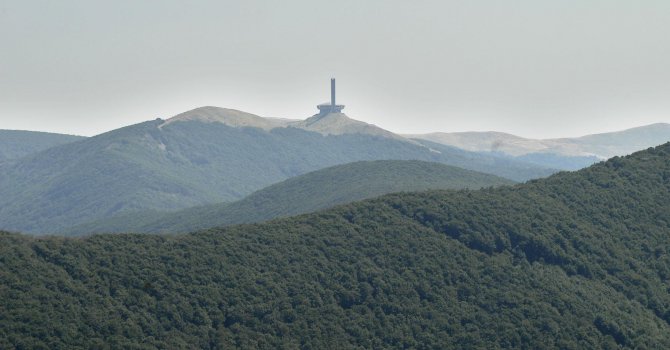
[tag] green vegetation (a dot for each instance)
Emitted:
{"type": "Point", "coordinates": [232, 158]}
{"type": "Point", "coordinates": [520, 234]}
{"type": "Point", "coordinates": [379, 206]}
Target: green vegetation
{"type": "Point", "coordinates": [302, 194]}
{"type": "Point", "coordinates": [188, 163]}
{"type": "Point", "coordinates": [578, 260]}
{"type": "Point", "coordinates": [558, 161]}
{"type": "Point", "coordinates": [510, 168]}
{"type": "Point", "coordinates": [17, 143]}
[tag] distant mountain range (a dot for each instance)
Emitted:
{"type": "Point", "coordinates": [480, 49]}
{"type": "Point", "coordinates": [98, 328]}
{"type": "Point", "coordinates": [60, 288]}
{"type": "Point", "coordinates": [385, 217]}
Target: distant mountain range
{"type": "Point", "coordinates": [301, 194]}
{"type": "Point", "coordinates": [51, 182]}
{"type": "Point", "coordinates": [207, 155]}
{"type": "Point", "coordinates": [562, 153]}
{"type": "Point", "coordinates": [15, 144]}
{"type": "Point", "coordinates": [580, 260]}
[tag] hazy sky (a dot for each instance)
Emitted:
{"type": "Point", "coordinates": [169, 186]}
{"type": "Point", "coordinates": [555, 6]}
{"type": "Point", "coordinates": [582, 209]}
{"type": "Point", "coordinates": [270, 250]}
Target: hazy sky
{"type": "Point", "coordinates": [534, 68]}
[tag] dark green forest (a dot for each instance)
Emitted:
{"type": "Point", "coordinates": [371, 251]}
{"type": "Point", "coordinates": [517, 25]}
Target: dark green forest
{"type": "Point", "coordinates": [301, 194]}
{"type": "Point", "coordinates": [577, 260]}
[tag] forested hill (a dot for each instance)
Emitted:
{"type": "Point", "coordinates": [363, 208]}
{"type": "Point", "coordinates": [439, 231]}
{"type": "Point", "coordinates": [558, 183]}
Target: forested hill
{"type": "Point", "coordinates": [18, 143]}
{"type": "Point", "coordinates": [302, 194]}
{"type": "Point", "coordinates": [578, 260]}
{"type": "Point", "coordinates": [203, 156]}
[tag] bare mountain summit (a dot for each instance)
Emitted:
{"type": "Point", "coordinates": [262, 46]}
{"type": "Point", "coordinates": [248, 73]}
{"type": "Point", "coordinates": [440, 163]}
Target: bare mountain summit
{"type": "Point", "coordinates": [229, 117]}
{"type": "Point", "coordinates": [325, 124]}
{"type": "Point", "coordinates": [339, 124]}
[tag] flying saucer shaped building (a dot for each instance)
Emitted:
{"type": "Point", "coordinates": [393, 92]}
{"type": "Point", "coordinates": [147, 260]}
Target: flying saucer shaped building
{"type": "Point", "coordinates": [331, 107]}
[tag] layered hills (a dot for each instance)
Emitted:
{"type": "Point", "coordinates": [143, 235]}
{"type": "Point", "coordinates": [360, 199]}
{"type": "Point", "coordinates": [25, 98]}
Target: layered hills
{"type": "Point", "coordinates": [562, 153]}
{"type": "Point", "coordinates": [207, 155]}
{"type": "Point", "coordinates": [17, 143]}
{"type": "Point", "coordinates": [577, 260]}
{"type": "Point", "coordinates": [301, 194]}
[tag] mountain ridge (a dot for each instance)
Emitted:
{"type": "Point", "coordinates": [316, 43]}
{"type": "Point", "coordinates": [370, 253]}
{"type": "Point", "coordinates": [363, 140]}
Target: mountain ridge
{"type": "Point", "coordinates": [603, 145]}
{"type": "Point", "coordinates": [16, 144]}
{"type": "Point", "coordinates": [227, 116]}
{"type": "Point", "coordinates": [305, 193]}
{"type": "Point", "coordinates": [325, 124]}
{"type": "Point", "coordinates": [157, 165]}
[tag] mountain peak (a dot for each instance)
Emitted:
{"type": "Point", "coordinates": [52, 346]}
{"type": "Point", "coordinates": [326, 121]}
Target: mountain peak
{"type": "Point", "coordinates": [230, 117]}
{"type": "Point", "coordinates": [323, 123]}
{"type": "Point", "coordinates": [340, 123]}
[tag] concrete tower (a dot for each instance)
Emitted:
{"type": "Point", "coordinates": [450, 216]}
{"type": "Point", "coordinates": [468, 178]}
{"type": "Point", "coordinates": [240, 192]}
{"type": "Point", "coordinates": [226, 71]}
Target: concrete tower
{"type": "Point", "coordinates": [331, 107]}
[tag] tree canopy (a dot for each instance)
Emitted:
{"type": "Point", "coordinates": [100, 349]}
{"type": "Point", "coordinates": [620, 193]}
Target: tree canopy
{"type": "Point", "coordinates": [577, 260]}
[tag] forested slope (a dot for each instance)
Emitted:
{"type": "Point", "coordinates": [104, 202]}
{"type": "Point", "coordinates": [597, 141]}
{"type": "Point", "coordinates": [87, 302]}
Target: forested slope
{"type": "Point", "coordinates": [302, 194]}
{"type": "Point", "coordinates": [18, 143]}
{"type": "Point", "coordinates": [170, 165]}
{"type": "Point", "coordinates": [578, 260]}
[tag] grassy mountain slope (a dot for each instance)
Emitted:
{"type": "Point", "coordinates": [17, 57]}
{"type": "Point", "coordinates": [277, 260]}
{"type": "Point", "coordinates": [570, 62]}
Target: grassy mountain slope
{"type": "Point", "coordinates": [339, 123]}
{"type": "Point", "coordinates": [159, 165]}
{"type": "Point", "coordinates": [230, 117]}
{"type": "Point", "coordinates": [620, 142]}
{"type": "Point", "coordinates": [484, 141]}
{"type": "Point", "coordinates": [563, 153]}
{"type": "Point", "coordinates": [17, 143]}
{"type": "Point", "coordinates": [578, 260]}
{"type": "Point", "coordinates": [302, 194]}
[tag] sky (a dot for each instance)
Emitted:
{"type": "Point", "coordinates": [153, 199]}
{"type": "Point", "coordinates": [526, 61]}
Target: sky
{"type": "Point", "coordinates": [534, 68]}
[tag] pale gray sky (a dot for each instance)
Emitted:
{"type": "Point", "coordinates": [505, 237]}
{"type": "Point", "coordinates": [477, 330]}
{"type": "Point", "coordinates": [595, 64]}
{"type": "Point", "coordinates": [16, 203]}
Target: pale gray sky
{"type": "Point", "coordinates": [535, 68]}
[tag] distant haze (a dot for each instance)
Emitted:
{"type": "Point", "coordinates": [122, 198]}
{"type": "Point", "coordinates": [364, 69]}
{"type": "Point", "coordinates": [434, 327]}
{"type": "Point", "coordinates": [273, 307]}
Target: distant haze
{"type": "Point", "coordinates": [533, 68]}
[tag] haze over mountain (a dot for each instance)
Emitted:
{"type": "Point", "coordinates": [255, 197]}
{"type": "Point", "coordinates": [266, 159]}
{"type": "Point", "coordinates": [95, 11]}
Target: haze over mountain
{"type": "Point", "coordinates": [17, 143]}
{"type": "Point", "coordinates": [364, 222]}
{"type": "Point", "coordinates": [301, 194]}
{"type": "Point", "coordinates": [578, 260]}
{"type": "Point", "coordinates": [207, 155]}
{"type": "Point", "coordinates": [562, 153]}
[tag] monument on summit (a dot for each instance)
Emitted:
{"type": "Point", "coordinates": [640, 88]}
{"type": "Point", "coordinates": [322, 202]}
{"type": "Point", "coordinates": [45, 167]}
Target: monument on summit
{"type": "Point", "coordinates": [331, 107]}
